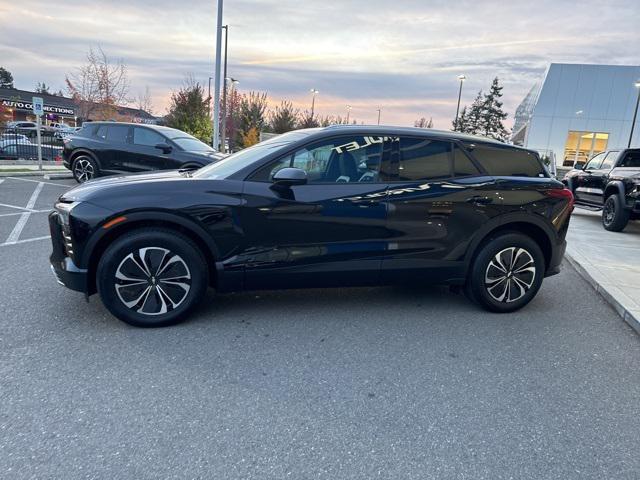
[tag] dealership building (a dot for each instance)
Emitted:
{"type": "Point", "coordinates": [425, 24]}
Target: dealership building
{"type": "Point", "coordinates": [578, 111]}
{"type": "Point", "coordinates": [15, 105]}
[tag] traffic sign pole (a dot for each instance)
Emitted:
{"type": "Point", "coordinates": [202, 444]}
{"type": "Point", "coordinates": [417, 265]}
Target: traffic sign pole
{"type": "Point", "coordinates": [38, 109]}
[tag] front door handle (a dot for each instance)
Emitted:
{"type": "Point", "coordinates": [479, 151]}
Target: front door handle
{"type": "Point", "coordinates": [479, 200]}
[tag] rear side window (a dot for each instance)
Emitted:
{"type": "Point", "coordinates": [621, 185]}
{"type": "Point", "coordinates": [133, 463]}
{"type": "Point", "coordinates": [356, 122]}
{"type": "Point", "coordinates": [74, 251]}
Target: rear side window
{"type": "Point", "coordinates": [509, 162]}
{"type": "Point", "coordinates": [631, 159]}
{"type": "Point", "coordinates": [117, 133]}
{"type": "Point", "coordinates": [420, 159]}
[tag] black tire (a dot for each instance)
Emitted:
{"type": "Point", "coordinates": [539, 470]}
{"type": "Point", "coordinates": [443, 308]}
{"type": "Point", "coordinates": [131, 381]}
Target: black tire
{"type": "Point", "coordinates": [614, 216]}
{"type": "Point", "coordinates": [178, 284]}
{"type": "Point", "coordinates": [520, 283]}
{"type": "Point", "coordinates": [84, 168]}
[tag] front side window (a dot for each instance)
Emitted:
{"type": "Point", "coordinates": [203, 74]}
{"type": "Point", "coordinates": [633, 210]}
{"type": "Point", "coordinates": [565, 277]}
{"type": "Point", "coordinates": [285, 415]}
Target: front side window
{"type": "Point", "coordinates": [353, 159]}
{"type": "Point", "coordinates": [462, 164]}
{"type": "Point", "coordinates": [420, 159]}
{"type": "Point", "coordinates": [609, 160]}
{"type": "Point", "coordinates": [117, 133]}
{"type": "Point", "coordinates": [147, 137]}
{"type": "Point", "coordinates": [505, 161]}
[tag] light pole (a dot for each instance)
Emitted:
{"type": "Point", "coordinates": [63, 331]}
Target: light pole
{"type": "Point", "coordinates": [379, 110]}
{"type": "Point", "coordinates": [635, 112]}
{"type": "Point", "coordinates": [224, 91]}
{"type": "Point", "coordinates": [462, 78]}
{"type": "Point", "coordinates": [209, 96]}
{"type": "Point", "coordinates": [215, 140]}
{"type": "Point", "coordinates": [314, 92]}
{"type": "Point", "coordinates": [348, 112]}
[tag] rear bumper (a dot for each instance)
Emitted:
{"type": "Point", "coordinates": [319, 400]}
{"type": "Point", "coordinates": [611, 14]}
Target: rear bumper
{"type": "Point", "coordinates": [62, 266]}
{"type": "Point", "coordinates": [556, 259]}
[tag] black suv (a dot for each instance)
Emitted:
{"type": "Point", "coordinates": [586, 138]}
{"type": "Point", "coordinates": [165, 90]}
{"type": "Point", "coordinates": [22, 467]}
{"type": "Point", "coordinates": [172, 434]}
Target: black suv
{"type": "Point", "coordinates": [610, 182]}
{"type": "Point", "coordinates": [335, 206]}
{"type": "Point", "coordinates": [105, 148]}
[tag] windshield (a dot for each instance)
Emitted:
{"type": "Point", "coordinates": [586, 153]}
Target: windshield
{"type": "Point", "coordinates": [236, 162]}
{"type": "Point", "coordinates": [192, 144]}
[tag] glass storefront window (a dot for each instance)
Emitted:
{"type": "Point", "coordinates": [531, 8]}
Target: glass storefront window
{"type": "Point", "coordinates": [581, 146]}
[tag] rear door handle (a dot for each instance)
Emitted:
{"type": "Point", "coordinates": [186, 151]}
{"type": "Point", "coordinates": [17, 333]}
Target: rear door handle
{"type": "Point", "coordinates": [480, 200]}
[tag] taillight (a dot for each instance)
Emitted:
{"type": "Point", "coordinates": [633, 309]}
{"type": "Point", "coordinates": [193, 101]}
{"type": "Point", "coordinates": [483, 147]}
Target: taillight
{"type": "Point", "coordinates": [562, 193]}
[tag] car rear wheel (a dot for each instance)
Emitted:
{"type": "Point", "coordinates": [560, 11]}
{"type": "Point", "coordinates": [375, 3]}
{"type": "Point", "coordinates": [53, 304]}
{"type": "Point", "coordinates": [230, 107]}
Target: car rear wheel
{"type": "Point", "coordinates": [506, 273]}
{"type": "Point", "coordinates": [152, 277]}
{"type": "Point", "coordinates": [614, 216]}
{"type": "Point", "coordinates": [84, 168]}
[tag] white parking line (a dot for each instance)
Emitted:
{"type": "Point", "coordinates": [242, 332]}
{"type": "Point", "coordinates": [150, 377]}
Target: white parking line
{"type": "Point", "coordinates": [38, 181]}
{"type": "Point", "coordinates": [6, 244]}
{"type": "Point", "coordinates": [22, 221]}
{"type": "Point", "coordinates": [20, 213]}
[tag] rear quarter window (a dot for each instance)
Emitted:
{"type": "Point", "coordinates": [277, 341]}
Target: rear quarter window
{"type": "Point", "coordinates": [508, 162]}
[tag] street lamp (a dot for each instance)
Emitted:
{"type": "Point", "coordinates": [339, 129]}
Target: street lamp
{"type": "Point", "coordinates": [224, 90]}
{"type": "Point", "coordinates": [635, 112]}
{"type": "Point", "coordinates": [349, 107]}
{"type": "Point", "coordinates": [379, 110]}
{"type": "Point", "coordinates": [314, 92]}
{"type": "Point", "coordinates": [215, 140]}
{"type": "Point", "coordinates": [462, 78]}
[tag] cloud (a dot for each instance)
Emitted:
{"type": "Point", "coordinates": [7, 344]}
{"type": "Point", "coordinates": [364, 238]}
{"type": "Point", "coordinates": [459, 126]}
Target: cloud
{"type": "Point", "coordinates": [403, 56]}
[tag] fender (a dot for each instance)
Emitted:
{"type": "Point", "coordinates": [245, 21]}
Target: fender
{"type": "Point", "coordinates": [145, 215]}
{"type": "Point", "coordinates": [502, 220]}
{"type": "Point", "coordinates": [619, 185]}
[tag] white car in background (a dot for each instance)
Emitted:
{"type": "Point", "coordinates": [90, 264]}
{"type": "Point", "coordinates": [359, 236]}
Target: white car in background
{"type": "Point", "coordinates": [14, 140]}
{"type": "Point", "coordinates": [15, 137]}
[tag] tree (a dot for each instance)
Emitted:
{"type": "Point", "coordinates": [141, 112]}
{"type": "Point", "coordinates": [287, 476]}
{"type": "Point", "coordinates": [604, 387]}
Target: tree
{"type": "Point", "coordinates": [144, 101]}
{"type": "Point", "coordinates": [253, 107]}
{"type": "Point", "coordinates": [422, 122]}
{"type": "Point", "coordinates": [308, 121]}
{"type": "Point", "coordinates": [42, 88]}
{"type": "Point", "coordinates": [99, 86]}
{"type": "Point", "coordinates": [232, 110]}
{"type": "Point", "coordinates": [326, 121]}
{"type": "Point", "coordinates": [472, 122]}
{"type": "Point", "coordinates": [284, 117]}
{"type": "Point", "coordinates": [463, 121]}
{"type": "Point", "coordinates": [492, 114]}
{"type": "Point", "coordinates": [189, 111]}
{"type": "Point", "coordinates": [250, 137]}
{"type": "Point", "coordinates": [6, 79]}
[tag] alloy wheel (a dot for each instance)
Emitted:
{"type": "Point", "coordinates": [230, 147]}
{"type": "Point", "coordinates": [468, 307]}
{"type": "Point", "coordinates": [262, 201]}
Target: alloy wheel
{"type": "Point", "coordinates": [510, 274]}
{"type": "Point", "coordinates": [609, 212]}
{"type": "Point", "coordinates": [152, 281]}
{"type": "Point", "coordinates": [83, 170]}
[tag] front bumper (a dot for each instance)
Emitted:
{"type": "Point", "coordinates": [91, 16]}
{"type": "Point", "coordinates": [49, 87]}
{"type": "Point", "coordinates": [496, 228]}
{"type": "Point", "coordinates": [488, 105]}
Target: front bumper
{"type": "Point", "coordinates": [62, 266]}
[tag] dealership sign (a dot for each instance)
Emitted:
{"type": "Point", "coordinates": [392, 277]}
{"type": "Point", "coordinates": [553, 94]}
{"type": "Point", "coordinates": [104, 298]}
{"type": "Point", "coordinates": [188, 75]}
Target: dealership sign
{"type": "Point", "coordinates": [19, 105]}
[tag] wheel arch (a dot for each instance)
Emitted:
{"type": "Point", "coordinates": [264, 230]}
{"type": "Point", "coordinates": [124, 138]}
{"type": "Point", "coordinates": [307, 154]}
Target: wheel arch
{"type": "Point", "coordinates": [83, 151]}
{"type": "Point", "coordinates": [534, 227]}
{"type": "Point", "coordinates": [615, 187]}
{"type": "Point", "coordinates": [101, 240]}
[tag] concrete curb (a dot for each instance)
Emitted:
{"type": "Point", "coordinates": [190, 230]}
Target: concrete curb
{"type": "Point", "coordinates": [32, 173]}
{"type": "Point", "coordinates": [59, 176]}
{"type": "Point", "coordinates": [627, 315]}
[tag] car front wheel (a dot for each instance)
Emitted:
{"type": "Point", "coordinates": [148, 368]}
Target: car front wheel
{"type": "Point", "coordinates": [152, 277]}
{"type": "Point", "coordinates": [84, 168]}
{"type": "Point", "coordinates": [614, 216]}
{"type": "Point", "coordinates": [506, 273]}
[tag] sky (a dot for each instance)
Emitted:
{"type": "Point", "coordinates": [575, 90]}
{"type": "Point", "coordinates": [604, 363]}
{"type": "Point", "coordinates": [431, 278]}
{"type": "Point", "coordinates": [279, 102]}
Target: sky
{"type": "Point", "coordinates": [401, 56]}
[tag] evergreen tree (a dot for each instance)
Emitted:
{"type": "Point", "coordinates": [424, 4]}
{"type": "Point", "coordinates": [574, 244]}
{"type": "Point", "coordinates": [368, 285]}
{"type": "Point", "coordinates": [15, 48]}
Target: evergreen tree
{"type": "Point", "coordinates": [42, 88]}
{"type": "Point", "coordinates": [474, 116]}
{"type": "Point", "coordinates": [308, 121]}
{"type": "Point", "coordinates": [284, 117]}
{"type": "Point", "coordinates": [462, 125]}
{"type": "Point", "coordinates": [189, 111]}
{"type": "Point", "coordinates": [492, 115]}
{"type": "Point", "coordinates": [422, 122]}
{"type": "Point", "coordinates": [6, 79]}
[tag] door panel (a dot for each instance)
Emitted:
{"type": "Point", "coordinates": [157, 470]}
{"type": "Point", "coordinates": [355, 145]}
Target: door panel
{"type": "Point", "coordinates": [142, 155]}
{"type": "Point", "coordinates": [312, 235]}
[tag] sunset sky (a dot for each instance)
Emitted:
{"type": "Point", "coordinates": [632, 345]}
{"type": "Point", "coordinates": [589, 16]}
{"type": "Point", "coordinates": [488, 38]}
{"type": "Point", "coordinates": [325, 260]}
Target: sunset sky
{"type": "Point", "coordinates": [403, 56]}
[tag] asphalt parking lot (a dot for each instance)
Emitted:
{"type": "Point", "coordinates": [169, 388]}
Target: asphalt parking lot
{"type": "Point", "coordinates": [345, 383]}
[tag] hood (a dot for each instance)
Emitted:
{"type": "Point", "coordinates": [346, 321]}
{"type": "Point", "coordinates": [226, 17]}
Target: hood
{"type": "Point", "coordinates": [87, 190]}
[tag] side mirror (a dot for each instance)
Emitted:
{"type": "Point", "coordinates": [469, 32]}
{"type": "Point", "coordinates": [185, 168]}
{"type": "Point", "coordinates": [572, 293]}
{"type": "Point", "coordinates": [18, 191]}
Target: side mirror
{"type": "Point", "coordinates": [290, 176]}
{"type": "Point", "coordinates": [166, 148]}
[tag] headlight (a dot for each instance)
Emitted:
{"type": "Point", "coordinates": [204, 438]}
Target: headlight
{"type": "Point", "coordinates": [64, 209]}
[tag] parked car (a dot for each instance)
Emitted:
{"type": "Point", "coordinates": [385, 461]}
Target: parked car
{"type": "Point", "coordinates": [105, 148]}
{"type": "Point", "coordinates": [14, 137]}
{"type": "Point", "coordinates": [610, 182]}
{"type": "Point", "coordinates": [28, 151]}
{"type": "Point", "coordinates": [17, 140]}
{"type": "Point", "coordinates": [335, 206]}
{"type": "Point", "coordinates": [61, 131]}
{"type": "Point", "coordinates": [30, 129]}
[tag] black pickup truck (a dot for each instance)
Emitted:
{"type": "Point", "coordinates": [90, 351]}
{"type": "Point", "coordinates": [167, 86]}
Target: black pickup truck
{"type": "Point", "coordinates": [610, 182]}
